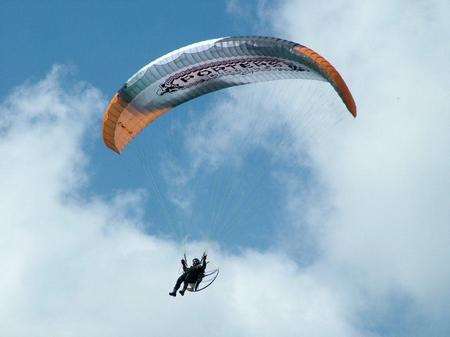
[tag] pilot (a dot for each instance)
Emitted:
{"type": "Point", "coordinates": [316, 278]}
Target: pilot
{"type": "Point", "coordinates": [191, 275]}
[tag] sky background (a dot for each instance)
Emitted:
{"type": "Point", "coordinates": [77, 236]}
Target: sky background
{"type": "Point", "coordinates": [322, 225]}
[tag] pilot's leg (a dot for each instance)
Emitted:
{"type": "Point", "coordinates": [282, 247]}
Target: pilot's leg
{"type": "Point", "coordinates": [197, 283]}
{"type": "Point", "coordinates": [180, 280]}
{"type": "Point", "coordinates": [185, 285]}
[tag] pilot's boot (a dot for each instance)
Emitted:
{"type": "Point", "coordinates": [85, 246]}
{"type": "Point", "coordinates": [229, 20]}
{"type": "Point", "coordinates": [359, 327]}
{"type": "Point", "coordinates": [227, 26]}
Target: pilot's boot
{"type": "Point", "coordinates": [173, 293]}
{"type": "Point", "coordinates": [182, 292]}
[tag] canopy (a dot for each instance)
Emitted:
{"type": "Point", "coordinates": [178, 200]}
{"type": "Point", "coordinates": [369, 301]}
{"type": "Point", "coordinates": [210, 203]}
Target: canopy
{"type": "Point", "coordinates": [207, 66]}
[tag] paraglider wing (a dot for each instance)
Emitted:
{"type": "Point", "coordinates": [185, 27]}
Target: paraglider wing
{"type": "Point", "coordinates": [207, 66]}
{"type": "Point", "coordinates": [207, 280]}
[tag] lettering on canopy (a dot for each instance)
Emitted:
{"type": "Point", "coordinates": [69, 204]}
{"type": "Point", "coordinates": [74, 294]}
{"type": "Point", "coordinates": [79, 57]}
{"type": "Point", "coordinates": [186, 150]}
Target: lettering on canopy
{"type": "Point", "coordinates": [242, 66]}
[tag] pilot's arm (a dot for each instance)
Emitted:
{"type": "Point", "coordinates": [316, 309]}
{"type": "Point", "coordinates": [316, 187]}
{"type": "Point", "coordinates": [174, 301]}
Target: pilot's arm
{"type": "Point", "coordinates": [204, 261]}
{"type": "Point", "coordinates": [184, 264]}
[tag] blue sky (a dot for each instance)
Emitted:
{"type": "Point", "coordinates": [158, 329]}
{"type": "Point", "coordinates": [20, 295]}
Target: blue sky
{"type": "Point", "coordinates": [346, 236]}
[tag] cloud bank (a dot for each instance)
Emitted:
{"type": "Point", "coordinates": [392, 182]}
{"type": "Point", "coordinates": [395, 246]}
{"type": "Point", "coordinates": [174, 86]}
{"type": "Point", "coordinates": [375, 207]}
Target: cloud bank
{"type": "Point", "coordinates": [382, 226]}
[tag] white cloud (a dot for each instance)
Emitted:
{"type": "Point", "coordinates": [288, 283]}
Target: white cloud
{"type": "Point", "coordinates": [79, 266]}
{"type": "Point", "coordinates": [383, 225]}
{"type": "Point", "coordinates": [390, 170]}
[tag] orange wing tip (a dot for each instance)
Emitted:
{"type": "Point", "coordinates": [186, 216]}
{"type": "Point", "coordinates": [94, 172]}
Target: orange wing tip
{"type": "Point", "coordinates": [122, 122]}
{"type": "Point", "coordinates": [110, 119]}
{"type": "Point", "coordinates": [327, 69]}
